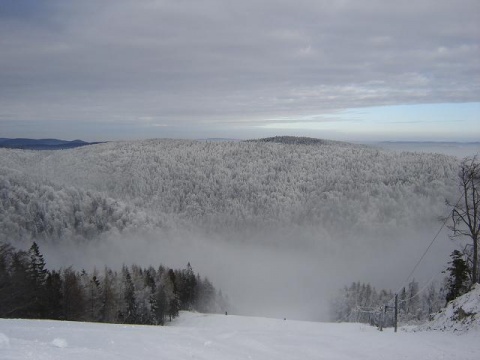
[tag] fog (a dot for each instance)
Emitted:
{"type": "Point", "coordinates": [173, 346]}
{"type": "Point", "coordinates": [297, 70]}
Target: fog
{"type": "Point", "coordinates": [294, 277]}
{"type": "Point", "coordinates": [458, 149]}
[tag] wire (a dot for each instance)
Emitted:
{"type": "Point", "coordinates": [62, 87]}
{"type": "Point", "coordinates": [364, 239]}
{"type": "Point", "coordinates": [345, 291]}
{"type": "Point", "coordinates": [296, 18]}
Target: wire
{"type": "Point", "coordinates": [428, 248]}
{"type": "Point", "coordinates": [435, 237]}
{"type": "Point", "coordinates": [422, 289]}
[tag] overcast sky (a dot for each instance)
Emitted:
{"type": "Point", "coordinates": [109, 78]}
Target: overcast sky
{"type": "Point", "coordinates": [344, 69]}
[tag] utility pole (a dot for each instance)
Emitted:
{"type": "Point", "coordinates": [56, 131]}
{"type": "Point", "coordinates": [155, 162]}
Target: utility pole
{"type": "Point", "coordinates": [396, 311]}
{"type": "Point", "coordinates": [382, 322]}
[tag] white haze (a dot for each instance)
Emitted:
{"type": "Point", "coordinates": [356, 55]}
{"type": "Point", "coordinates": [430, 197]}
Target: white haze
{"type": "Point", "coordinates": [274, 280]}
{"type": "Point", "coordinates": [458, 149]}
{"type": "Point", "coordinates": [333, 214]}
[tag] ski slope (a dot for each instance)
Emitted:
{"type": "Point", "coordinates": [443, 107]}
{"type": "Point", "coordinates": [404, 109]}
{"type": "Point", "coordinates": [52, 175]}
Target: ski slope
{"type": "Point", "coordinates": [220, 337]}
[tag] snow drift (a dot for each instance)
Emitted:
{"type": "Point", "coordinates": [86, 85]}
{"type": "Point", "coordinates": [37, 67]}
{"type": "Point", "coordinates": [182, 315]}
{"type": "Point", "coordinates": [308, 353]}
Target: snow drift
{"type": "Point", "coordinates": [460, 315]}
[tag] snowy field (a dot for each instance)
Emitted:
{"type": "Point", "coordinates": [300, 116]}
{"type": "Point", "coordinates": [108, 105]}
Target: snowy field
{"type": "Point", "coordinates": [212, 337]}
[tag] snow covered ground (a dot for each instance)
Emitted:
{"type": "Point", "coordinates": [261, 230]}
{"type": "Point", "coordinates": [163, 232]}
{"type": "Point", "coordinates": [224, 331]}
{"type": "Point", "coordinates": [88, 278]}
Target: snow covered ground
{"type": "Point", "coordinates": [198, 336]}
{"type": "Point", "coordinates": [460, 315]}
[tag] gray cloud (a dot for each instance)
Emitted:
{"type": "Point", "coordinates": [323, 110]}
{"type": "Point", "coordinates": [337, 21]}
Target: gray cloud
{"type": "Point", "coordinates": [191, 62]}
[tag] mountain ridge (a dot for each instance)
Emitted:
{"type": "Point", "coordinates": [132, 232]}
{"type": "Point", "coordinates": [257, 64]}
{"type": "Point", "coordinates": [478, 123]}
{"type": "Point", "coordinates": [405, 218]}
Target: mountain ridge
{"type": "Point", "coordinates": [42, 144]}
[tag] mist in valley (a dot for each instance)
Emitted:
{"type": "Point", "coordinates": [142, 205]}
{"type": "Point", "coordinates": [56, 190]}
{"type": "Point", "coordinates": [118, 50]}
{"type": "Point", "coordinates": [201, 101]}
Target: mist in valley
{"type": "Point", "coordinates": [278, 228]}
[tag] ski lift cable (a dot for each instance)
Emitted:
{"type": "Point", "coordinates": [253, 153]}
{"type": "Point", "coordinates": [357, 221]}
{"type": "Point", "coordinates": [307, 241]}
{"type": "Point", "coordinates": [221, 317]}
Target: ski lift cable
{"type": "Point", "coordinates": [428, 248]}
{"type": "Point", "coordinates": [422, 289]}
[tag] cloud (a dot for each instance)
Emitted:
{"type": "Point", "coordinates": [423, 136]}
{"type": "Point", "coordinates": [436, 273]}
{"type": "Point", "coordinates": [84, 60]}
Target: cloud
{"type": "Point", "coordinates": [186, 62]}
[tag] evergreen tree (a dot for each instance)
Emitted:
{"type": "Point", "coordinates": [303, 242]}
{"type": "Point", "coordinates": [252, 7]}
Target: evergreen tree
{"type": "Point", "coordinates": [206, 297]}
{"type": "Point", "coordinates": [6, 284]}
{"type": "Point", "coordinates": [130, 315]}
{"type": "Point", "coordinates": [159, 305]}
{"type": "Point", "coordinates": [37, 274]}
{"type": "Point", "coordinates": [73, 296]}
{"type": "Point", "coordinates": [20, 300]}
{"type": "Point", "coordinates": [457, 283]}
{"type": "Point", "coordinates": [91, 289]}
{"type": "Point", "coordinates": [108, 301]}
{"type": "Point", "coordinates": [140, 296]}
{"type": "Point", "coordinates": [173, 302]}
{"type": "Point", "coordinates": [54, 296]}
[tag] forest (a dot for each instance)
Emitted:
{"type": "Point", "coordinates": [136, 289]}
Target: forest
{"type": "Point", "coordinates": [133, 295]}
{"type": "Point", "coordinates": [218, 186]}
{"type": "Point", "coordinates": [274, 210]}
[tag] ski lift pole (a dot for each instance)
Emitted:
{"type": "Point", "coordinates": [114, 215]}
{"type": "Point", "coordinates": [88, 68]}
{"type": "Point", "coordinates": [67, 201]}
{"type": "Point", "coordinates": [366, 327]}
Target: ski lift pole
{"type": "Point", "coordinates": [396, 311]}
{"type": "Point", "coordinates": [382, 320]}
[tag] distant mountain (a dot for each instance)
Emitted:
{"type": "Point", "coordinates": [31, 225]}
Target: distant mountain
{"type": "Point", "coordinates": [296, 140]}
{"type": "Point", "coordinates": [41, 144]}
{"type": "Point", "coordinates": [219, 140]}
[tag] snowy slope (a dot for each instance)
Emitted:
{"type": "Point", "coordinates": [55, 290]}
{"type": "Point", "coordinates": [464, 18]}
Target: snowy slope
{"type": "Point", "coordinates": [198, 336]}
{"type": "Point", "coordinates": [461, 314]}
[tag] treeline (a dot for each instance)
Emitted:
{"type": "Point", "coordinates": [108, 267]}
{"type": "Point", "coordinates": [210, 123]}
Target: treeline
{"type": "Point", "coordinates": [362, 303]}
{"type": "Point", "coordinates": [133, 295]}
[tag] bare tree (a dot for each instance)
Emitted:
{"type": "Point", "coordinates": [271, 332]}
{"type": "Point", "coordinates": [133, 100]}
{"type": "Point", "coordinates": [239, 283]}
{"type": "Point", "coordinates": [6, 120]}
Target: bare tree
{"type": "Point", "coordinates": [466, 212]}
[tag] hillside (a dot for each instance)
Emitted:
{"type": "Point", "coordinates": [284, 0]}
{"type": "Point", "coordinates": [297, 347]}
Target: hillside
{"type": "Point", "coordinates": [460, 315]}
{"type": "Point", "coordinates": [223, 337]}
{"type": "Point", "coordinates": [34, 210]}
{"type": "Point", "coordinates": [234, 185]}
{"type": "Point", "coordinates": [300, 219]}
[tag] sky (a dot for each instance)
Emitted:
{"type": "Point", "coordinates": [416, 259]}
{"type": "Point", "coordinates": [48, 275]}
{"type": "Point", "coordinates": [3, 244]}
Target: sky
{"type": "Point", "coordinates": [338, 69]}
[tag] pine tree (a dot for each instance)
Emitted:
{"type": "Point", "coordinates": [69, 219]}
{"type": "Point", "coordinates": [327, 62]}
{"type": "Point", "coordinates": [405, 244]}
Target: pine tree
{"type": "Point", "coordinates": [457, 283]}
{"type": "Point", "coordinates": [54, 296]}
{"type": "Point", "coordinates": [37, 273]}
{"type": "Point", "coordinates": [173, 301]}
{"type": "Point", "coordinates": [6, 284]}
{"type": "Point", "coordinates": [108, 301]}
{"type": "Point", "coordinates": [130, 316]}
{"type": "Point", "coordinates": [159, 305]}
{"type": "Point", "coordinates": [73, 296]}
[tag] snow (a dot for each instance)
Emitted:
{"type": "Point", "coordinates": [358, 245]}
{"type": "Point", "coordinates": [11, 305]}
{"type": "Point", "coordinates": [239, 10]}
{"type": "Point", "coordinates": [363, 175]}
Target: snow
{"type": "Point", "coordinates": [61, 343]}
{"type": "Point", "coordinates": [460, 315]}
{"type": "Point", "coordinates": [4, 341]}
{"type": "Point", "coordinates": [199, 336]}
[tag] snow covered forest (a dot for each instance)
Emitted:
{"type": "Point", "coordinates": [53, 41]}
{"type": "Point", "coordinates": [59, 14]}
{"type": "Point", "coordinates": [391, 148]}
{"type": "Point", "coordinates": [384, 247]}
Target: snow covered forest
{"type": "Point", "coordinates": [218, 186]}
{"type": "Point", "coordinates": [317, 206]}
{"type": "Point", "coordinates": [362, 303]}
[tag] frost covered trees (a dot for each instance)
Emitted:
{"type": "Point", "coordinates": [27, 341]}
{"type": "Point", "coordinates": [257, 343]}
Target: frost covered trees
{"type": "Point", "coordinates": [219, 187]}
{"type": "Point", "coordinates": [361, 302]}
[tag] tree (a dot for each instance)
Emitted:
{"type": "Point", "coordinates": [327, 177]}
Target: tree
{"type": "Point", "coordinates": [37, 273]}
{"type": "Point", "coordinates": [130, 315]}
{"type": "Point", "coordinates": [466, 213]}
{"type": "Point", "coordinates": [159, 305]}
{"type": "Point", "coordinates": [54, 296]}
{"type": "Point", "coordinates": [413, 301]}
{"type": "Point", "coordinates": [109, 303]}
{"type": "Point", "coordinates": [457, 281]}
{"type": "Point", "coordinates": [432, 300]}
{"type": "Point", "coordinates": [73, 296]}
